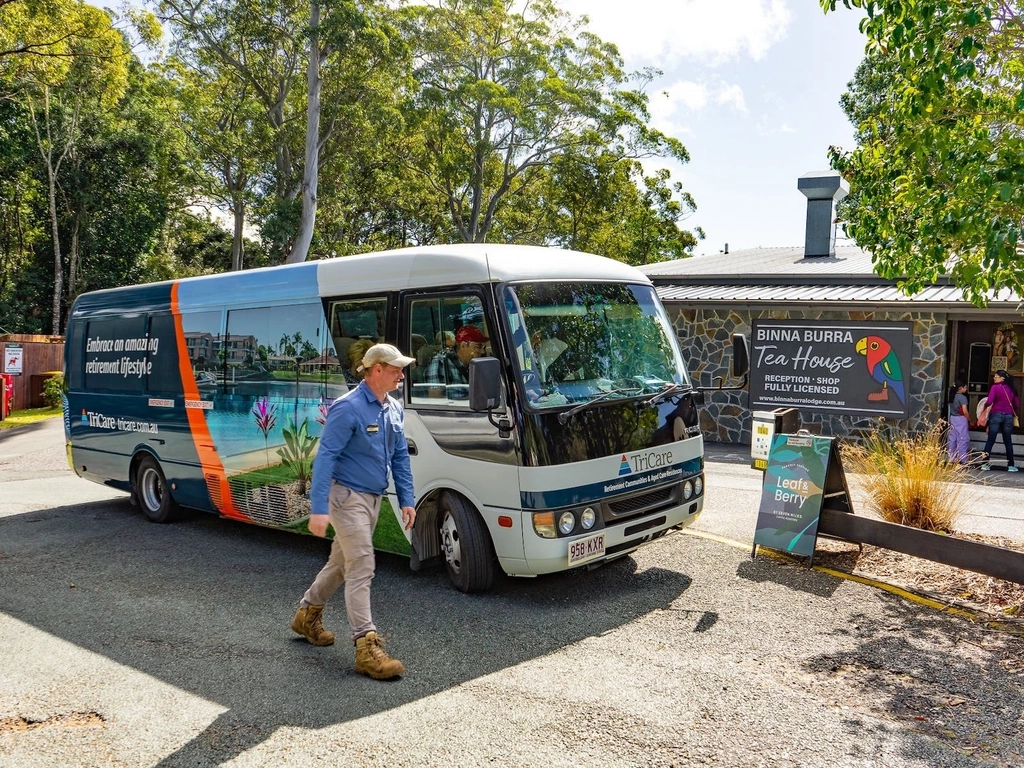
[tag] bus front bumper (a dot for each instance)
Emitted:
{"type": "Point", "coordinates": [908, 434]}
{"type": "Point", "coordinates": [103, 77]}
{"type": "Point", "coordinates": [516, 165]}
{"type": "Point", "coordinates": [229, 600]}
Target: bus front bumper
{"type": "Point", "coordinates": [607, 543]}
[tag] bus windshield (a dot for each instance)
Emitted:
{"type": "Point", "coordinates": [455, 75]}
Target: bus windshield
{"type": "Point", "coordinates": [577, 342]}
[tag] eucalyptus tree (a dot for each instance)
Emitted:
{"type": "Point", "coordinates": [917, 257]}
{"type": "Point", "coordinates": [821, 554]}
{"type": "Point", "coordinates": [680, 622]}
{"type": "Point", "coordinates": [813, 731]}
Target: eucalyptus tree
{"type": "Point", "coordinates": [81, 66]}
{"type": "Point", "coordinates": [23, 205]}
{"type": "Point", "coordinates": [272, 46]}
{"type": "Point", "coordinates": [226, 132]}
{"type": "Point", "coordinates": [602, 203]}
{"type": "Point", "coordinates": [940, 158]}
{"type": "Point", "coordinates": [504, 89]}
{"type": "Point", "coordinates": [127, 183]}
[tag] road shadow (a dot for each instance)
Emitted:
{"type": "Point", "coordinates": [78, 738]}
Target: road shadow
{"type": "Point", "coordinates": [787, 573]}
{"type": "Point", "coordinates": [927, 681]}
{"type": "Point", "coordinates": [9, 433]}
{"type": "Point", "coordinates": [205, 605]}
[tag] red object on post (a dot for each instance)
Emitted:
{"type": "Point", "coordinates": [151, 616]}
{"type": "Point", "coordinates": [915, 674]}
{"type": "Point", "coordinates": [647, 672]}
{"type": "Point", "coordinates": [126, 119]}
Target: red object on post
{"type": "Point", "coordinates": [6, 394]}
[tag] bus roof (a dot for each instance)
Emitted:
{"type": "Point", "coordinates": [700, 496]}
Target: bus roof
{"type": "Point", "coordinates": [470, 263]}
{"type": "Point", "coordinates": [402, 268]}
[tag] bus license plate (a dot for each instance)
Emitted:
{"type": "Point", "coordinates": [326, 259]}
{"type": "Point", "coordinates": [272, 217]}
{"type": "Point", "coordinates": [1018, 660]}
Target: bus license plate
{"type": "Point", "coordinates": [582, 550]}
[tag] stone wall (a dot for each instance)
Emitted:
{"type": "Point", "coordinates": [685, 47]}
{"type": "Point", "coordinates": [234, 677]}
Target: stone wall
{"type": "Point", "coordinates": [705, 337]}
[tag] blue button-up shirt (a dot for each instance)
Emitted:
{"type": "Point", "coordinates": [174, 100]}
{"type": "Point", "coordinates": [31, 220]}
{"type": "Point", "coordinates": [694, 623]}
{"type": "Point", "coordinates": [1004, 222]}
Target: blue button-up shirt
{"type": "Point", "coordinates": [362, 437]}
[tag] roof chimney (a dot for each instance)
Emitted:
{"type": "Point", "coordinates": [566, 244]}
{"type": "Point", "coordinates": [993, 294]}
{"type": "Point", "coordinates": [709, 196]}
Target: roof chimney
{"type": "Point", "coordinates": [823, 188]}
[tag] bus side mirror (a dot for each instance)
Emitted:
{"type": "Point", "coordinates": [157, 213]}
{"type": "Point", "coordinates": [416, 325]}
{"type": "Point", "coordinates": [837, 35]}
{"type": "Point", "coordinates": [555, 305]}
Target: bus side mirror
{"type": "Point", "coordinates": [740, 355]}
{"type": "Point", "coordinates": [484, 383]}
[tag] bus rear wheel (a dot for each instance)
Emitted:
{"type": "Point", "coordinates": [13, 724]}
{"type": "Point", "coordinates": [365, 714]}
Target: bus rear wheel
{"type": "Point", "coordinates": [152, 493]}
{"type": "Point", "coordinates": [467, 548]}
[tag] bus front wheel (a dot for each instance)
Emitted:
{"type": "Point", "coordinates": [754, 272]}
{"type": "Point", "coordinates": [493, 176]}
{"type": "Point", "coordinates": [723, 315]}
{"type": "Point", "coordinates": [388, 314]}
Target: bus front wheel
{"type": "Point", "coordinates": [468, 553]}
{"type": "Point", "coordinates": [152, 493]}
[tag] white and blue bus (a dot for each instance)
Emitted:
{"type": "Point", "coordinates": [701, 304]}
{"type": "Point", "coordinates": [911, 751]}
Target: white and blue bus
{"type": "Point", "coordinates": [573, 439]}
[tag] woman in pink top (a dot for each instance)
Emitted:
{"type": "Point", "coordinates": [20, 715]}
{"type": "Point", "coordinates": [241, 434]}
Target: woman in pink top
{"type": "Point", "coordinates": [1002, 407]}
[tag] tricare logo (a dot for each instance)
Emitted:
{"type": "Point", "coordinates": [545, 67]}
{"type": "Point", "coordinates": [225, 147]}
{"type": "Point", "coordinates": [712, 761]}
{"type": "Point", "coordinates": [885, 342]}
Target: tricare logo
{"type": "Point", "coordinates": [641, 462]}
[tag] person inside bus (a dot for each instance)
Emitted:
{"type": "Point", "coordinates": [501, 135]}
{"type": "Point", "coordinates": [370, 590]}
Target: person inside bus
{"type": "Point", "coordinates": [451, 366]}
{"type": "Point", "coordinates": [546, 350]}
{"type": "Point", "coordinates": [363, 436]}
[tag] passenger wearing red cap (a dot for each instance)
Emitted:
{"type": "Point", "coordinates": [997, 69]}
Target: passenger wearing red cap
{"type": "Point", "coordinates": [452, 366]}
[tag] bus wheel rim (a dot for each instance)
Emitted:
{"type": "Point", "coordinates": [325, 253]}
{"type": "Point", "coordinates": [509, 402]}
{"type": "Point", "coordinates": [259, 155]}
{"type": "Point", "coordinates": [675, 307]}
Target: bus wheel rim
{"type": "Point", "coordinates": [450, 542]}
{"type": "Point", "coordinates": [152, 491]}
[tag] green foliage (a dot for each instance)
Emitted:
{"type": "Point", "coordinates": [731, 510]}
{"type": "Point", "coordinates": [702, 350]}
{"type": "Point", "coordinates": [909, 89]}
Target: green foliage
{"type": "Point", "coordinates": [940, 134]}
{"type": "Point", "coordinates": [30, 416]}
{"type": "Point", "coordinates": [503, 94]}
{"type": "Point", "coordinates": [468, 120]}
{"type": "Point", "coordinates": [297, 453]}
{"type": "Point", "coordinates": [53, 390]}
{"type": "Point", "coordinates": [907, 478]}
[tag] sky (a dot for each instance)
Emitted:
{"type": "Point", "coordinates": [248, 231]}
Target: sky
{"type": "Point", "coordinates": [751, 88]}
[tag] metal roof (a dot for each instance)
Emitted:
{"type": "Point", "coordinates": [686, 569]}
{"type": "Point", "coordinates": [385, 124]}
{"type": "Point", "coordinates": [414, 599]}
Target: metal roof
{"type": "Point", "coordinates": [849, 260]}
{"type": "Point", "coordinates": [785, 276]}
{"type": "Point", "coordinates": [944, 297]}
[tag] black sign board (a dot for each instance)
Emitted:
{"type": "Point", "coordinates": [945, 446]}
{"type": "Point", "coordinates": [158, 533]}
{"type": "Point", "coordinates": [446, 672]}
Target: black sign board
{"type": "Point", "coordinates": [835, 366]}
{"type": "Point", "coordinates": [804, 475]}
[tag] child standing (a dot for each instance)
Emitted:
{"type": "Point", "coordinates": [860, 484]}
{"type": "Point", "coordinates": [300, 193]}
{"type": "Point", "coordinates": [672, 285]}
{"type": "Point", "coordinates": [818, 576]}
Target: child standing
{"type": "Point", "coordinates": [959, 421]}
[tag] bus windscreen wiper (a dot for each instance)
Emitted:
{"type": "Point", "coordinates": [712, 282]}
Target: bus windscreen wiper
{"type": "Point", "coordinates": [670, 389]}
{"type": "Point", "coordinates": [564, 416]}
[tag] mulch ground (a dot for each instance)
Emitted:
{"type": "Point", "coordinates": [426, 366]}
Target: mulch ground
{"type": "Point", "coordinates": [996, 599]}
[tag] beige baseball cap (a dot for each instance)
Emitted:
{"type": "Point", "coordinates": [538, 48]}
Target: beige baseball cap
{"type": "Point", "coordinates": [387, 354]}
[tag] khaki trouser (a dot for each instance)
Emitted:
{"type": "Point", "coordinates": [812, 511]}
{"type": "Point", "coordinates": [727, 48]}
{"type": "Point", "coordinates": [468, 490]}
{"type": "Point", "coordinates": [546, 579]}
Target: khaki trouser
{"type": "Point", "coordinates": [354, 516]}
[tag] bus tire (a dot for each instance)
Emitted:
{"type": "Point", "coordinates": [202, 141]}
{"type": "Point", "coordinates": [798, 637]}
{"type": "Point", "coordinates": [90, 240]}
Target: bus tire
{"type": "Point", "coordinates": [466, 545]}
{"type": "Point", "coordinates": [153, 494]}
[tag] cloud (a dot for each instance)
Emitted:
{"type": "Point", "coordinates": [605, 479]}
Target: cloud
{"type": "Point", "coordinates": [670, 106]}
{"type": "Point", "coordinates": [731, 95]}
{"type": "Point", "coordinates": [663, 33]}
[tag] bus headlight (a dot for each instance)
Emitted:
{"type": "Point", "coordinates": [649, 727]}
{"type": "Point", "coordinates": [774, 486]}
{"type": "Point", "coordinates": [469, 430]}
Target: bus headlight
{"type": "Point", "coordinates": [698, 484]}
{"type": "Point", "coordinates": [587, 518]}
{"type": "Point", "coordinates": [687, 490]}
{"type": "Point", "coordinates": [544, 524]}
{"type": "Point", "coordinates": [566, 522]}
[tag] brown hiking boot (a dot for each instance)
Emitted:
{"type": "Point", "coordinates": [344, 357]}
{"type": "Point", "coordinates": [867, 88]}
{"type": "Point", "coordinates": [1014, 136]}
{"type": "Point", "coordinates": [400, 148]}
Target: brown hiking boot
{"type": "Point", "coordinates": [373, 661]}
{"type": "Point", "coordinates": [307, 622]}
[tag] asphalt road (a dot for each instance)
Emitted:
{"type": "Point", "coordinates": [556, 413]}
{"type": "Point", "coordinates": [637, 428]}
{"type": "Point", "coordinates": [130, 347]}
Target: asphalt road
{"type": "Point", "coordinates": [124, 643]}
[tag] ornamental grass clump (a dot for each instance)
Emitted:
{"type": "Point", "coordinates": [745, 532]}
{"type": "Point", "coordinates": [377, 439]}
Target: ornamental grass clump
{"type": "Point", "coordinates": [908, 479]}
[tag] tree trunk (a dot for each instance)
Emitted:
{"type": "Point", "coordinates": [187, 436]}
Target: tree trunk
{"type": "Point", "coordinates": [237, 242]}
{"type": "Point", "coordinates": [300, 249]}
{"type": "Point", "coordinates": [58, 267]}
{"type": "Point", "coordinates": [74, 275]}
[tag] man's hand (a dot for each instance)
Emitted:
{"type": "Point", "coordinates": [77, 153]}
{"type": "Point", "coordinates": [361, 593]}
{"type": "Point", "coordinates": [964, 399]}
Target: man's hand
{"type": "Point", "coordinates": [408, 516]}
{"type": "Point", "coordinates": [318, 525]}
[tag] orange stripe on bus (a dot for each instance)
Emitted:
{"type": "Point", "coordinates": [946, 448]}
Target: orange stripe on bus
{"type": "Point", "coordinates": [213, 470]}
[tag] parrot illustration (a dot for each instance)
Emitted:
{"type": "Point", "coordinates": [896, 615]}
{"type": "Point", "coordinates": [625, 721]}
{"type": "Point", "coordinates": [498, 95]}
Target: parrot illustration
{"type": "Point", "coordinates": [884, 368]}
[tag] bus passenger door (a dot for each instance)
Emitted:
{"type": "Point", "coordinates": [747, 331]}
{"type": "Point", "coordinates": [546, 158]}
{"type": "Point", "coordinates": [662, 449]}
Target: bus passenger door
{"type": "Point", "coordinates": [455, 448]}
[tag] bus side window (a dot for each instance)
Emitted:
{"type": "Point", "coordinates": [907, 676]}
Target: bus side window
{"type": "Point", "coordinates": [202, 332]}
{"type": "Point", "coordinates": [356, 325]}
{"type": "Point", "coordinates": [163, 374]}
{"type": "Point", "coordinates": [453, 331]}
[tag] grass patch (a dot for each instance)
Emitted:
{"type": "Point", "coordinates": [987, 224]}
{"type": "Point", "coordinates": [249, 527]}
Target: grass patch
{"type": "Point", "coordinates": [388, 536]}
{"type": "Point", "coordinates": [277, 474]}
{"type": "Point", "coordinates": [908, 479]}
{"type": "Point", "coordinates": [29, 416]}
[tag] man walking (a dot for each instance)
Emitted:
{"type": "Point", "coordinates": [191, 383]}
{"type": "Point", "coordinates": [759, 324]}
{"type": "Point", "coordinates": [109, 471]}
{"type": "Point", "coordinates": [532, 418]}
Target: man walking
{"type": "Point", "coordinates": [363, 437]}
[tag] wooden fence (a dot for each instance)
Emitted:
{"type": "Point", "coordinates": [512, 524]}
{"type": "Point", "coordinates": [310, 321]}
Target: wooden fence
{"type": "Point", "coordinates": [41, 355]}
